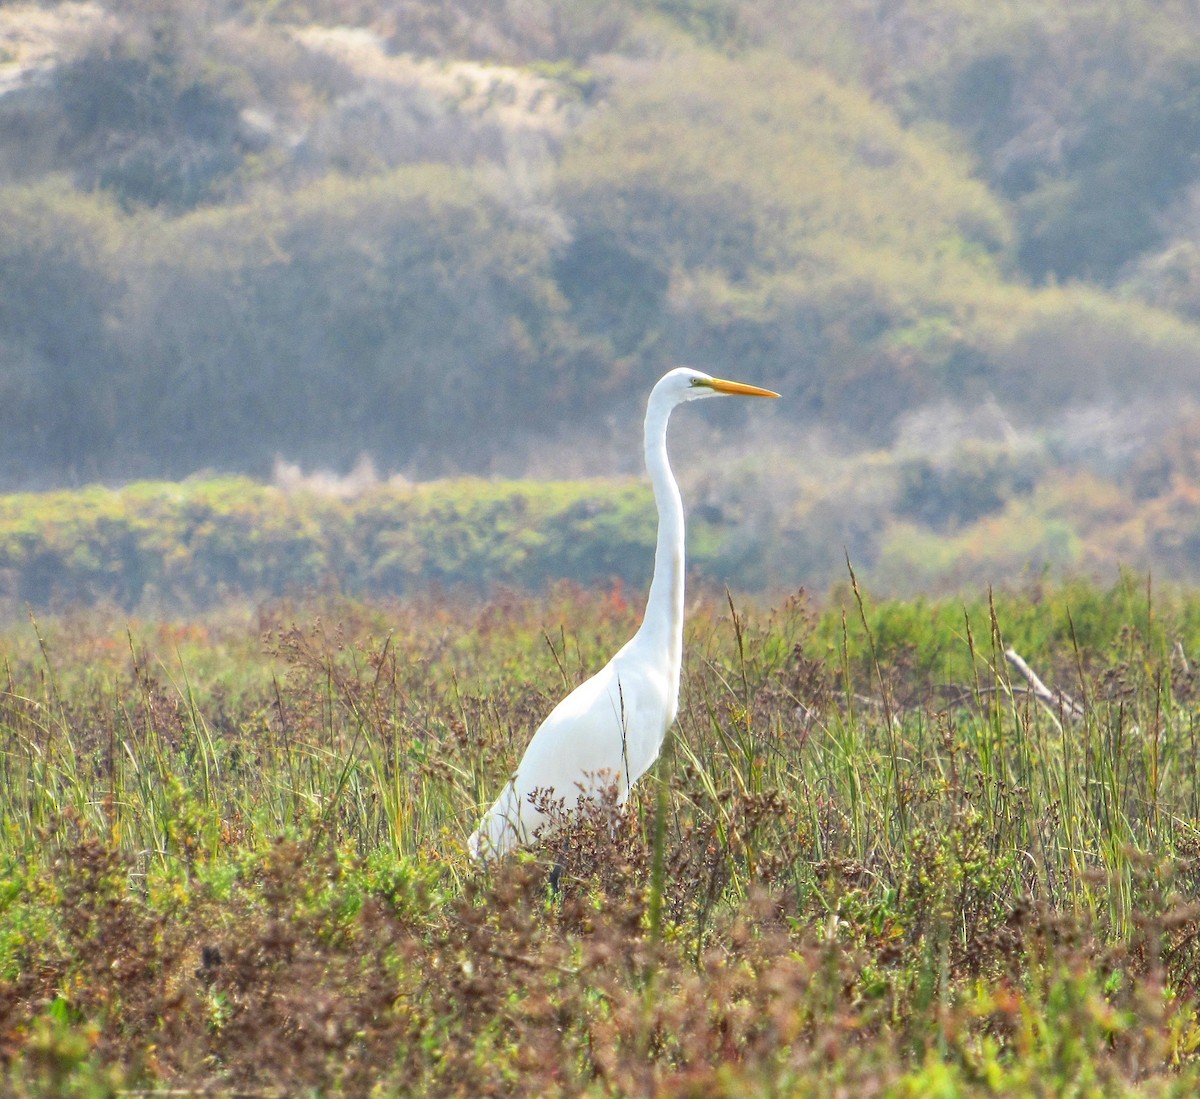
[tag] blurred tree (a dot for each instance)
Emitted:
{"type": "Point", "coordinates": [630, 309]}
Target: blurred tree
{"type": "Point", "coordinates": [1170, 278]}
{"type": "Point", "coordinates": [146, 130]}
{"type": "Point", "coordinates": [58, 403]}
{"type": "Point", "coordinates": [318, 247]}
{"type": "Point", "coordinates": [961, 486]}
{"type": "Point", "coordinates": [1091, 129]}
{"type": "Point", "coordinates": [759, 212]}
{"type": "Point", "coordinates": [385, 316]}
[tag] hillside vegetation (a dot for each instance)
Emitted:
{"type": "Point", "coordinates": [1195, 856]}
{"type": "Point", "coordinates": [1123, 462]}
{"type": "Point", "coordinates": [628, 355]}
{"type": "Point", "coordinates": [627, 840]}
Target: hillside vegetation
{"type": "Point", "coordinates": [233, 230]}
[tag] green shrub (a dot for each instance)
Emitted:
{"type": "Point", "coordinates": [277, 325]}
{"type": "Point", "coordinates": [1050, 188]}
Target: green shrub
{"type": "Point", "coordinates": [203, 542]}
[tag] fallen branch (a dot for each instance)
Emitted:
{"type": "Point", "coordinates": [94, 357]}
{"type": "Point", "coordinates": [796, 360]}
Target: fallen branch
{"type": "Point", "coordinates": [1056, 701]}
{"type": "Point", "coordinates": [955, 694]}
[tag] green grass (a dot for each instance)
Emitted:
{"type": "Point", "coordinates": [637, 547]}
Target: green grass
{"type": "Point", "coordinates": [869, 861]}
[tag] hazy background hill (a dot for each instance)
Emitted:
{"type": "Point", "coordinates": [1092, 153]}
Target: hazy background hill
{"type": "Point", "coordinates": [465, 237]}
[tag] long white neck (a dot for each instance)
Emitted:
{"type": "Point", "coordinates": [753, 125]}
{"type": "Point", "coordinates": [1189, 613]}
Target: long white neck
{"type": "Point", "coordinates": [662, 625]}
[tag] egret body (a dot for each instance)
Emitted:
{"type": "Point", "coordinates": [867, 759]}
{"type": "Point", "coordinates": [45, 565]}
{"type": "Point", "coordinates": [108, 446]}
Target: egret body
{"type": "Point", "coordinates": [609, 730]}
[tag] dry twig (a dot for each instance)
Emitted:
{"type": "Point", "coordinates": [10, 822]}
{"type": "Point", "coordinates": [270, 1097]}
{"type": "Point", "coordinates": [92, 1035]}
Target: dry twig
{"type": "Point", "coordinates": [1057, 701]}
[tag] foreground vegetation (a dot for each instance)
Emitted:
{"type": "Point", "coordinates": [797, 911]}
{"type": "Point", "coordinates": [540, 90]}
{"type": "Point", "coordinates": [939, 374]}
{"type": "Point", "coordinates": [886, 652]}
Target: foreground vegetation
{"type": "Point", "coordinates": [869, 862]}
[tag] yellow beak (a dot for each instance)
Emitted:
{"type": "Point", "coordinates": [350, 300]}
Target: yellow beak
{"type": "Point", "coordinates": [740, 389]}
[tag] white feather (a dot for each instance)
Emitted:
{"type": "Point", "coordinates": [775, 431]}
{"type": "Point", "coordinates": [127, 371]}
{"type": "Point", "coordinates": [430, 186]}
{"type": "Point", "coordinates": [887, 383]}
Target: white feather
{"type": "Point", "coordinates": [609, 730]}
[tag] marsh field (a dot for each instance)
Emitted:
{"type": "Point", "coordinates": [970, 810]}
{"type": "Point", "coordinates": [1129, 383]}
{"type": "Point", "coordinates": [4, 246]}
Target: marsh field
{"type": "Point", "coordinates": [870, 861]}
{"type": "Point", "coordinates": [409, 261]}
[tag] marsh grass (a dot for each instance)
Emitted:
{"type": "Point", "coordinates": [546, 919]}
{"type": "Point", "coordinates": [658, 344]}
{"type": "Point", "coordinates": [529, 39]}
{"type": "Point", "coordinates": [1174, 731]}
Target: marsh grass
{"type": "Point", "coordinates": [869, 860]}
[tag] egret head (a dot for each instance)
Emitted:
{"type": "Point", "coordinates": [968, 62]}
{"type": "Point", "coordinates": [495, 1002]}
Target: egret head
{"type": "Point", "coordinates": [685, 384]}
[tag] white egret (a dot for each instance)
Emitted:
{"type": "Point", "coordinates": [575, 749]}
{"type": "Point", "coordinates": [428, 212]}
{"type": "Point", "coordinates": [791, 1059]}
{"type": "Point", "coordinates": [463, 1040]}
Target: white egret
{"type": "Point", "coordinates": [609, 730]}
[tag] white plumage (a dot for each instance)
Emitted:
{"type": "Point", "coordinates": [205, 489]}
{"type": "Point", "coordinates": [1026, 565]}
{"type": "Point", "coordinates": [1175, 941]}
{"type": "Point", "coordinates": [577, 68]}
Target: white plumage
{"type": "Point", "coordinates": [609, 729]}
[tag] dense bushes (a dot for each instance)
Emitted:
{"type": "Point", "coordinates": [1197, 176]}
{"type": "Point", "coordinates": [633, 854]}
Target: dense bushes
{"type": "Point", "coordinates": [349, 318]}
{"type": "Point", "coordinates": [720, 189]}
{"type": "Point", "coordinates": [60, 408]}
{"type": "Point", "coordinates": [964, 520]}
{"type": "Point", "coordinates": [191, 545]}
{"type": "Point", "coordinates": [292, 240]}
{"type": "Point", "coordinates": [1088, 121]}
{"type": "Point", "coordinates": [352, 317]}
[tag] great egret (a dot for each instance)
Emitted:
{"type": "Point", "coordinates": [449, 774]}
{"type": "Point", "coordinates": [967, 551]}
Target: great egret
{"type": "Point", "coordinates": [608, 730]}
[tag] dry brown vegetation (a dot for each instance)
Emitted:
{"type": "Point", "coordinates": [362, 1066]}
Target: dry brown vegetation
{"type": "Point", "coordinates": [869, 863]}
